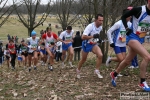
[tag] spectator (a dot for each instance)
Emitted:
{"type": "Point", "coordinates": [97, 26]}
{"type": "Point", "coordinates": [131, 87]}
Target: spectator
{"type": "Point", "coordinates": [16, 39]}
{"type": "Point", "coordinates": [8, 36]}
{"type": "Point", "coordinates": [77, 42]}
{"type": "Point", "coordinates": [1, 53]}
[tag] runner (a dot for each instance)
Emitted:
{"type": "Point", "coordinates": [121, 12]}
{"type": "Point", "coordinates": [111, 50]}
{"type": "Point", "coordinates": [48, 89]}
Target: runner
{"type": "Point", "coordinates": [24, 52]}
{"type": "Point", "coordinates": [140, 26]}
{"type": "Point", "coordinates": [50, 39]}
{"type": "Point", "coordinates": [118, 41]}
{"type": "Point", "coordinates": [43, 53]}
{"type": "Point", "coordinates": [33, 48]}
{"type": "Point", "coordinates": [11, 46]}
{"type": "Point", "coordinates": [90, 39]}
{"type": "Point", "coordinates": [19, 58]}
{"type": "Point", "coordinates": [66, 37]}
{"type": "Point", "coordinates": [7, 55]}
{"type": "Point", "coordinates": [58, 51]}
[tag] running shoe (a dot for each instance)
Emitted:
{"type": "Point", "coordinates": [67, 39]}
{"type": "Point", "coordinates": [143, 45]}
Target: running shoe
{"type": "Point", "coordinates": [50, 67]}
{"type": "Point", "coordinates": [113, 79]}
{"type": "Point", "coordinates": [108, 61]}
{"type": "Point", "coordinates": [35, 68]}
{"type": "Point", "coordinates": [131, 67]}
{"type": "Point", "coordinates": [29, 69]}
{"type": "Point", "coordinates": [78, 73]}
{"type": "Point", "coordinates": [119, 75]}
{"type": "Point", "coordinates": [144, 86]}
{"type": "Point", "coordinates": [98, 73]}
{"type": "Point", "coordinates": [70, 63]}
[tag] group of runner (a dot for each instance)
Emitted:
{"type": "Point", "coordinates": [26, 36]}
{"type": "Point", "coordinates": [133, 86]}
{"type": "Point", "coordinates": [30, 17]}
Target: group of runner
{"type": "Point", "coordinates": [45, 47]}
{"type": "Point", "coordinates": [130, 30]}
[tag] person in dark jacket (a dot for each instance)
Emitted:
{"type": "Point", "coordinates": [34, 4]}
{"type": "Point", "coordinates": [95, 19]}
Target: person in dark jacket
{"type": "Point", "coordinates": [77, 43]}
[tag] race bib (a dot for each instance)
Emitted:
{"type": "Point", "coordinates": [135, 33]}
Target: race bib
{"type": "Point", "coordinates": [42, 47]}
{"type": "Point", "coordinates": [93, 41]}
{"type": "Point", "coordinates": [34, 46]}
{"type": "Point", "coordinates": [24, 49]}
{"type": "Point", "coordinates": [143, 28]}
{"type": "Point", "coordinates": [68, 37]}
{"type": "Point", "coordinates": [122, 36]}
{"type": "Point", "coordinates": [50, 43]}
{"type": "Point", "coordinates": [12, 50]}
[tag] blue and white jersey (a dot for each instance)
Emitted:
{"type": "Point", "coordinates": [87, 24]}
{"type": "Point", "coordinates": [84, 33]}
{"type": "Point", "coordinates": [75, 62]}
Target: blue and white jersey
{"type": "Point", "coordinates": [66, 36]}
{"type": "Point", "coordinates": [33, 43]}
{"type": "Point", "coordinates": [117, 34]}
{"type": "Point", "coordinates": [141, 25]}
{"type": "Point", "coordinates": [90, 30]}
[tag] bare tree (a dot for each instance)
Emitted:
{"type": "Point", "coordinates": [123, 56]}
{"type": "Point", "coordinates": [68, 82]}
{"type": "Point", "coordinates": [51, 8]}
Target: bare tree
{"type": "Point", "coordinates": [112, 11]}
{"type": "Point", "coordinates": [65, 15]}
{"type": "Point", "coordinates": [30, 21]}
{"type": "Point", "coordinates": [5, 11]}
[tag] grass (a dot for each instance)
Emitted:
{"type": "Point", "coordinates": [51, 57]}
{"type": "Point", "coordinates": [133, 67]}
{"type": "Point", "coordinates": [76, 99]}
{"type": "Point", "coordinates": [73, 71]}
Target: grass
{"type": "Point", "coordinates": [62, 83]}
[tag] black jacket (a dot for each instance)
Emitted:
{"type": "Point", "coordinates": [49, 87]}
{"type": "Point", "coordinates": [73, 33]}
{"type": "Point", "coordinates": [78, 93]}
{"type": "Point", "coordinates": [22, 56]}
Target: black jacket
{"type": "Point", "coordinates": [77, 42]}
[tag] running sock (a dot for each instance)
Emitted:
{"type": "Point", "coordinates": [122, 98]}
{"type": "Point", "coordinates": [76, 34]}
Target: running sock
{"type": "Point", "coordinates": [115, 74]}
{"type": "Point", "coordinates": [142, 80]}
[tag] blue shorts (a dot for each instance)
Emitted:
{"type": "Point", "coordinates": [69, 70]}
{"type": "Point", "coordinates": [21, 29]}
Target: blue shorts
{"type": "Point", "coordinates": [119, 49]}
{"type": "Point", "coordinates": [133, 36]}
{"type": "Point", "coordinates": [86, 47]}
{"type": "Point", "coordinates": [19, 58]}
{"type": "Point", "coordinates": [43, 51]}
{"type": "Point", "coordinates": [53, 50]}
{"type": "Point", "coordinates": [66, 46]}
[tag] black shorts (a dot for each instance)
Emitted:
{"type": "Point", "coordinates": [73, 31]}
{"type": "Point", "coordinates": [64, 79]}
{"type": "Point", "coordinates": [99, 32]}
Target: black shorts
{"type": "Point", "coordinates": [31, 53]}
{"type": "Point", "coordinates": [24, 54]}
{"type": "Point", "coordinates": [7, 57]}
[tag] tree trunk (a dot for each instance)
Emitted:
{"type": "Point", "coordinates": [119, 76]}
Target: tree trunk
{"type": "Point", "coordinates": [104, 45]}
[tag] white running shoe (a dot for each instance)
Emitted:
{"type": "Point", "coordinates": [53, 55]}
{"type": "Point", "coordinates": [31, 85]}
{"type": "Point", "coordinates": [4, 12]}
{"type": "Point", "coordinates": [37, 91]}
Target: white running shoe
{"type": "Point", "coordinates": [136, 67]}
{"type": "Point", "coordinates": [43, 64]}
{"type": "Point", "coordinates": [63, 65]}
{"type": "Point", "coordinates": [119, 75]}
{"type": "Point", "coordinates": [70, 63]}
{"type": "Point", "coordinates": [108, 61]}
{"type": "Point", "coordinates": [131, 67]}
{"type": "Point", "coordinates": [98, 73]}
{"type": "Point", "coordinates": [78, 73]}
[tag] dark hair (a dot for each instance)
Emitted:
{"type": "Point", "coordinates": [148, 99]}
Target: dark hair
{"type": "Point", "coordinates": [96, 17]}
{"type": "Point", "coordinates": [48, 28]}
{"type": "Point", "coordinates": [78, 33]}
{"type": "Point", "coordinates": [11, 40]}
{"type": "Point", "coordinates": [22, 41]}
{"type": "Point", "coordinates": [125, 11]}
{"type": "Point", "coordinates": [69, 28]}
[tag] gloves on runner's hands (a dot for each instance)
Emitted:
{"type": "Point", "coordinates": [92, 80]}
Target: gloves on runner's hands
{"type": "Point", "coordinates": [112, 45]}
{"type": "Point", "coordinates": [96, 36]}
{"type": "Point", "coordinates": [128, 31]}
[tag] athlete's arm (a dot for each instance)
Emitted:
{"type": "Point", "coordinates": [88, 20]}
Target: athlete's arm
{"type": "Point", "coordinates": [136, 12]}
{"type": "Point", "coordinates": [60, 38]}
{"type": "Point", "coordinates": [55, 37]}
{"type": "Point", "coordinates": [87, 31]}
{"type": "Point", "coordinates": [111, 30]}
{"type": "Point", "coordinates": [85, 37]}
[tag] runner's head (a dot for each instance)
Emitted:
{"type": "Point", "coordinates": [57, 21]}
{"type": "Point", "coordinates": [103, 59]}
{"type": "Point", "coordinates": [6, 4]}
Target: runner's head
{"type": "Point", "coordinates": [148, 3]}
{"type": "Point", "coordinates": [22, 42]}
{"type": "Point", "coordinates": [99, 20]}
{"type": "Point", "coordinates": [127, 10]}
{"type": "Point", "coordinates": [33, 34]}
{"type": "Point", "coordinates": [48, 29]}
{"type": "Point", "coordinates": [69, 28]}
{"type": "Point", "coordinates": [11, 41]}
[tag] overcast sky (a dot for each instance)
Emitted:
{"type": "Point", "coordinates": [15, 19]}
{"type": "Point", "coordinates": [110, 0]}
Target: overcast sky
{"type": "Point", "coordinates": [10, 2]}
